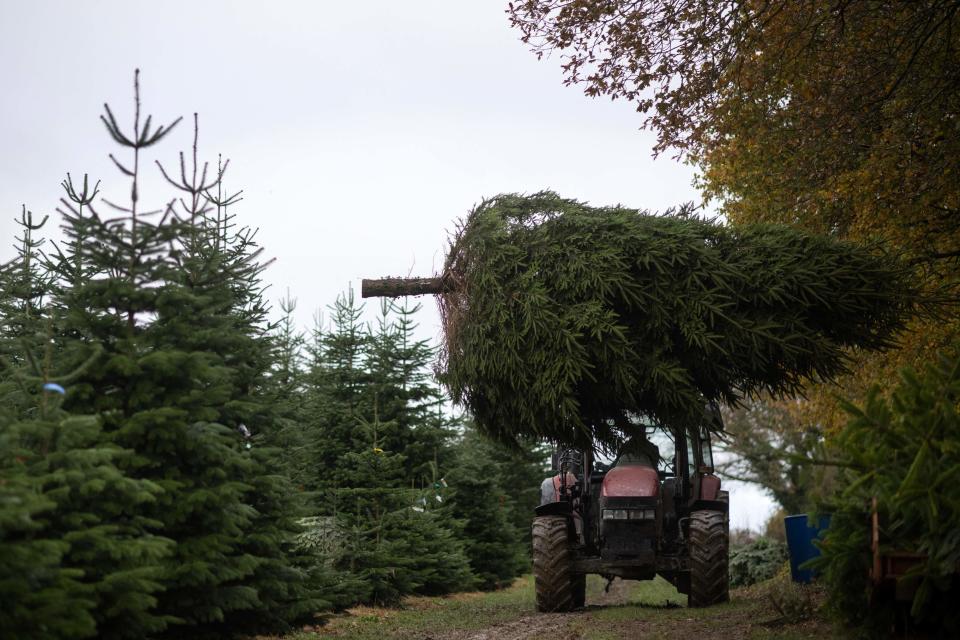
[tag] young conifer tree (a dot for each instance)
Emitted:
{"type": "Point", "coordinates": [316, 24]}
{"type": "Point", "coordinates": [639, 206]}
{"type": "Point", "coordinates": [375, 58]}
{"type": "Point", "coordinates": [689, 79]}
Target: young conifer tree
{"type": "Point", "coordinates": [226, 316]}
{"type": "Point", "coordinates": [79, 559]}
{"type": "Point", "coordinates": [367, 404]}
{"type": "Point", "coordinates": [77, 556]}
{"type": "Point", "coordinates": [366, 496]}
{"type": "Point", "coordinates": [158, 398]}
{"type": "Point", "coordinates": [395, 546]}
{"type": "Point", "coordinates": [287, 395]}
{"type": "Point", "coordinates": [408, 397]}
{"type": "Point", "coordinates": [513, 475]}
{"type": "Point", "coordinates": [494, 546]}
{"type": "Point", "coordinates": [175, 310]}
{"type": "Point", "coordinates": [437, 558]}
{"type": "Point", "coordinates": [42, 598]}
{"type": "Point", "coordinates": [334, 403]}
{"type": "Point", "coordinates": [25, 287]}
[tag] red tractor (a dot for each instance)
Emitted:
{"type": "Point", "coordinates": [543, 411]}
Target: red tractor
{"type": "Point", "coordinates": [656, 508]}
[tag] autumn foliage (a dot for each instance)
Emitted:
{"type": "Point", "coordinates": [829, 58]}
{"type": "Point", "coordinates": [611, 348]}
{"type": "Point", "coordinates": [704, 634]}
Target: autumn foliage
{"type": "Point", "coordinates": [835, 117]}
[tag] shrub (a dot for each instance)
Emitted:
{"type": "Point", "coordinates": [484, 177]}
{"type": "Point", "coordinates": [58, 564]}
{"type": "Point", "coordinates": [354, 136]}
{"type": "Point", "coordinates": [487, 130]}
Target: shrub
{"type": "Point", "coordinates": [756, 561]}
{"type": "Point", "coordinates": [904, 451]}
{"type": "Point", "coordinates": [793, 602]}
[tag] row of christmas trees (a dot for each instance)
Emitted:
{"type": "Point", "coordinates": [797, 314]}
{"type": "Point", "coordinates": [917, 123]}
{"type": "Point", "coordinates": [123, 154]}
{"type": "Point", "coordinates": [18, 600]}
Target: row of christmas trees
{"type": "Point", "coordinates": [172, 465]}
{"type": "Point", "coordinates": [408, 498]}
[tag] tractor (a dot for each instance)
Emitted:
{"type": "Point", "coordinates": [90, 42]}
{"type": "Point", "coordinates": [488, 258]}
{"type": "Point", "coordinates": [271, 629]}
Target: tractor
{"type": "Point", "coordinates": [655, 509]}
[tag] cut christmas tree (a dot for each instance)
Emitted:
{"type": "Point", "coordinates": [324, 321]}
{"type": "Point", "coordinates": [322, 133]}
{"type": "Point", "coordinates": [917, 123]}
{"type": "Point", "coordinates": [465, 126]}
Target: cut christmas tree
{"type": "Point", "coordinates": [572, 323]}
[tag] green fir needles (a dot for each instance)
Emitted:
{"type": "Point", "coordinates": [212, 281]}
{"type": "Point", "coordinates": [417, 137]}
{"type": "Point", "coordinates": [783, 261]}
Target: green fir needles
{"type": "Point", "coordinates": [570, 323]}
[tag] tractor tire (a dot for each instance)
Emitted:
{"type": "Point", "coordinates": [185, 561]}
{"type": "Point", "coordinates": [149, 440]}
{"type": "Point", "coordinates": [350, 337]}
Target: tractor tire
{"type": "Point", "coordinates": [579, 587]}
{"type": "Point", "coordinates": [552, 558]}
{"type": "Point", "coordinates": [709, 543]}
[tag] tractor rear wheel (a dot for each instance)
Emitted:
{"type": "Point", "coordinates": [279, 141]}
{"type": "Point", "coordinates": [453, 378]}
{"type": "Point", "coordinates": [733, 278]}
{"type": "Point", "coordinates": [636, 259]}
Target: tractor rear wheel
{"type": "Point", "coordinates": [552, 559]}
{"type": "Point", "coordinates": [708, 544]}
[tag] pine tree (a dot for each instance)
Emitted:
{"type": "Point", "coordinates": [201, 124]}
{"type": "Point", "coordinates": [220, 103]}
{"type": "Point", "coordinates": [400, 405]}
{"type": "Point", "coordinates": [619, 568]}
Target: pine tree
{"type": "Point", "coordinates": [286, 395]}
{"type": "Point", "coordinates": [77, 556]}
{"type": "Point", "coordinates": [219, 265]}
{"type": "Point", "coordinates": [174, 301]}
{"type": "Point", "coordinates": [493, 544]}
{"type": "Point", "coordinates": [26, 286]}
{"type": "Point", "coordinates": [334, 404]}
{"type": "Point", "coordinates": [436, 557]}
{"type": "Point", "coordinates": [407, 395]}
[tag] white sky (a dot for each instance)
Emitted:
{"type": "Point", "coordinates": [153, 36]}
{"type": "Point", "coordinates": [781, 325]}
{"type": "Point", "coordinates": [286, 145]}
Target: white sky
{"type": "Point", "coordinates": [359, 132]}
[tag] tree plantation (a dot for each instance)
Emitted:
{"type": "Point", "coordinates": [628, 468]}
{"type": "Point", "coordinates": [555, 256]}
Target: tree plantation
{"type": "Point", "coordinates": [174, 465]}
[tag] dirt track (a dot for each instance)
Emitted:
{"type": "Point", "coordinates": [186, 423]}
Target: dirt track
{"type": "Point", "coordinates": [548, 625]}
{"type": "Point", "coordinates": [629, 610]}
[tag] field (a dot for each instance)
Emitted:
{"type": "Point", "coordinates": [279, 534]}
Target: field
{"type": "Point", "coordinates": [628, 610]}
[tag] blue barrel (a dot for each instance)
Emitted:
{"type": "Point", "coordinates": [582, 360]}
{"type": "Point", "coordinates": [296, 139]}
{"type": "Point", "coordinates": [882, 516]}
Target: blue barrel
{"type": "Point", "coordinates": [800, 537]}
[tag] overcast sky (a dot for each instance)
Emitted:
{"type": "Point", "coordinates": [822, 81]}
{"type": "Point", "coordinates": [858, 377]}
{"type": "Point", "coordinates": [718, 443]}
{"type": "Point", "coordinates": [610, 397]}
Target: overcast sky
{"type": "Point", "coordinates": [359, 132]}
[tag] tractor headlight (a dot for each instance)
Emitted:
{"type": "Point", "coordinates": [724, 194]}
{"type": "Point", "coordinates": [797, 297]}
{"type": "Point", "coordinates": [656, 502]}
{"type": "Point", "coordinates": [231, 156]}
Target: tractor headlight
{"type": "Point", "coordinates": [629, 514]}
{"type": "Point", "coordinates": [615, 514]}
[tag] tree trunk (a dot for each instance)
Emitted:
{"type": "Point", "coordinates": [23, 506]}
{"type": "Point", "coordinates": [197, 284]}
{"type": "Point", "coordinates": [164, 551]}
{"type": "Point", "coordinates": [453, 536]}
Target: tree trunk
{"type": "Point", "coordinates": [395, 287]}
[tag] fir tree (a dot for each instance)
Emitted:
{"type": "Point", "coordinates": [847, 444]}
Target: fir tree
{"type": "Point", "coordinates": [407, 396]}
{"type": "Point", "coordinates": [219, 265]}
{"type": "Point", "coordinates": [175, 303]}
{"type": "Point", "coordinates": [494, 546]}
{"type": "Point", "coordinates": [26, 286]}
{"type": "Point", "coordinates": [286, 391]}
{"type": "Point", "coordinates": [77, 555]}
{"type": "Point", "coordinates": [394, 548]}
{"type": "Point", "coordinates": [518, 474]}
{"type": "Point", "coordinates": [370, 403]}
{"type": "Point", "coordinates": [435, 557]}
{"type": "Point", "coordinates": [68, 264]}
{"type": "Point", "coordinates": [334, 406]}
{"type": "Point", "coordinates": [222, 262]}
{"type": "Point", "coordinates": [565, 321]}
{"type": "Point", "coordinates": [367, 493]}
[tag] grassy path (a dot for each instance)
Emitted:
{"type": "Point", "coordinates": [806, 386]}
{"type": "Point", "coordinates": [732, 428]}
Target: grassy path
{"type": "Point", "coordinates": [630, 610]}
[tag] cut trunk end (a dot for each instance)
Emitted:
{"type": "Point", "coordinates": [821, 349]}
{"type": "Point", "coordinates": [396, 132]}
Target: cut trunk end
{"type": "Point", "coordinates": [396, 287]}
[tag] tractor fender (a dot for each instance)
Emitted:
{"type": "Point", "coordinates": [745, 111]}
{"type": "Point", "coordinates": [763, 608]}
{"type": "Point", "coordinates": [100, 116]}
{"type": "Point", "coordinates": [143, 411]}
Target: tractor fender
{"type": "Point", "coordinates": [554, 509]}
{"type": "Point", "coordinates": [564, 509]}
{"type": "Point", "coordinates": [710, 505]}
{"type": "Point", "coordinates": [709, 487]}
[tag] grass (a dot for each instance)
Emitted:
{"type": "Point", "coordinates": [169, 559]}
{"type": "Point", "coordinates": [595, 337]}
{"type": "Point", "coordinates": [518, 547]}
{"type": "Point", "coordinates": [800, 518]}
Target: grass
{"type": "Point", "coordinates": [459, 612]}
{"type": "Point", "coordinates": [650, 609]}
{"type": "Point", "coordinates": [655, 609]}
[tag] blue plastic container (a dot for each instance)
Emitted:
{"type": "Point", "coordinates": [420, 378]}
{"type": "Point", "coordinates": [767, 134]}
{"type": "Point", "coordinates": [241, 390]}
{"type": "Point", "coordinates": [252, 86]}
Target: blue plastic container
{"type": "Point", "coordinates": [800, 537]}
